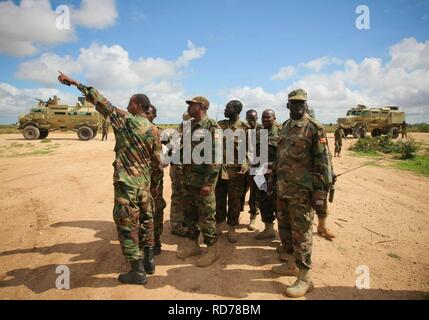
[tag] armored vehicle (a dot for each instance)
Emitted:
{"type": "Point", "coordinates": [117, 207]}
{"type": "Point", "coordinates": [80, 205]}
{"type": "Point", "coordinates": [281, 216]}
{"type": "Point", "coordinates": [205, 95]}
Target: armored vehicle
{"type": "Point", "coordinates": [378, 121]}
{"type": "Point", "coordinates": [49, 116]}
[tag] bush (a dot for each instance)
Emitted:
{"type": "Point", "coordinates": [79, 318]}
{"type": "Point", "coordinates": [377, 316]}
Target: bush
{"type": "Point", "coordinates": [407, 148]}
{"type": "Point", "coordinates": [423, 127]}
{"type": "Point", "coordinates": [383, 144]}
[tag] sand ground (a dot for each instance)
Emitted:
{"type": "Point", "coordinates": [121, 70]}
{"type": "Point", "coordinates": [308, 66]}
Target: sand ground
{"type": "Point", "coordinates": [56, 202]}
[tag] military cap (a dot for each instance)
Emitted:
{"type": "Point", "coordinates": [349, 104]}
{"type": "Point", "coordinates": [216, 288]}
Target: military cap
{"type": "Point", "coordinates": [200, 100]}
{"type": "Point", "coordinates": [298, 94]}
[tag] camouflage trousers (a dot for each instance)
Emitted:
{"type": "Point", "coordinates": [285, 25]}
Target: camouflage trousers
{"type": "Point", "coordinates": [132, 214]}
{"type": "Point", "coordinates": [104, 135]}
{"type": "Point", "coordinates": [229, 191]}
{"type": "Point", "coordinates": [295, 219]}
{"type": "Point", "coordinates": [338, 145]}
{"type": "Point", "coordinates": [158, 216]}
{"type": "Point", "coordinates": [199, 214]}
{"type": "Point", "coordinates": [176, 205]}
{"type": "Point", "coordinates": [267, 204]}
{"type": "Point", "coordinates": [323, 212]}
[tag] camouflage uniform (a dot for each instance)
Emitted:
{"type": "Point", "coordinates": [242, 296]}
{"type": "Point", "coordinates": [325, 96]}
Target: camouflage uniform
{"type": "Point", "coordinates": [176, 205]}
{"type": "Point", "coordinates": [199, 211]}
{"type": "Point", "coordinates": [302, 169]}
{"type": "Point", "coordinates": [267, 203]}
{"type": "Point", "coordinates": [231, 184]}
{"type": "Point", "coordinates": [339, 136]}
{"type": "Point", "coordinates": [136, 166]}
{"type": "Point", "coordinates": [105, 130]}
{"type": "Point", "coordinates": [160, 204]}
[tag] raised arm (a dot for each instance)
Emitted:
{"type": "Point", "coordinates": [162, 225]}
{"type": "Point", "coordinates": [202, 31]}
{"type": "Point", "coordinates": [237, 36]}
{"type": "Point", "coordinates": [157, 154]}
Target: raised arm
{"type": "Point", "coordinates": [102, 105]}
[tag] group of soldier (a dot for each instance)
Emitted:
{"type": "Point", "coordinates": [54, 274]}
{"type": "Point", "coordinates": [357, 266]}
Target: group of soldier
{"type": "Point", "coordinates": [205, 196]}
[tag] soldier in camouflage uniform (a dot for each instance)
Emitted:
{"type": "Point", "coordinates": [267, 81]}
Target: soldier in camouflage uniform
{"type": "Point", "coordinates": [231, 184]}
{"type": "Point", "coordinates": [177, 220]}
{"type": "Point", "coordinates": [160, 204]}
{"type": "Point", "coordinates": [303, 176]}
{"type": "Point", "coordinates": [199, 182]}
{"type": "Point", "coordinates": [339, 136]}
{"type": "Point", "coordinates": [136, 171]}
{"type": "Point", "coordinates": [267, 202]}
{"type": "Point", "coordinates": [252, 122]}
{"type": "Point", "coordinates": [105, 129]}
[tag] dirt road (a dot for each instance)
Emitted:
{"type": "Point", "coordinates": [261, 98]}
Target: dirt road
{"type": "Point", "coordinates": [56, 202]}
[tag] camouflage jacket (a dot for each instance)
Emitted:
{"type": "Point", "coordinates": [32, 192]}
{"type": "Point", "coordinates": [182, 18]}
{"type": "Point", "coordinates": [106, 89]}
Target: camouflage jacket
{"type": "Point", "coordinates": [138, 145]}
{"type": "Point", "coordinates": [273, 140]}
{"type": "Point", "coordinates": [303, 158]}
{"type": "Point", "coordinates": [205, 174]}
{"type": "Point", "coordinates": [339, 134]}
{"type": "Point", "coordinates": [230, 171]}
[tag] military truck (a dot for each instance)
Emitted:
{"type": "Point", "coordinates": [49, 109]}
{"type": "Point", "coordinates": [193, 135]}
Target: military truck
{"type": "Point", "coordinates": [377, 121]}
{"type": "Point", "coordinates": [49, 116]}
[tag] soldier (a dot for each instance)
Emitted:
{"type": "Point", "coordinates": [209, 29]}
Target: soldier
{"type": "Point", "coordinates": [136, 171]}
{"type": "Point", "coordinates": [339, 136]}
{"type": "Point", "coordinates": [160, 204]}
{"type": "Point", "coordinates": [231, 184]}
{"type": "Point", "coordinates": [252, 122]}
{"type": "Point", "coordinates": [199, 181]}
{"type": "Point", "coordinates": [177, 220]}
{"type": "Point", "coordinates": [404, 130]}
{"type": "Point", "coordinates": [105, 129]}
{"type": "Point", "coordinates": [303, 176]}
{"type": "Point", "coordinates": [267, 202]}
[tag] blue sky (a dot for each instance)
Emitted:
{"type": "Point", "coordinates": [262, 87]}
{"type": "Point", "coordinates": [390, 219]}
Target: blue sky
{"type": "Point", "coordinates": [243, 45]}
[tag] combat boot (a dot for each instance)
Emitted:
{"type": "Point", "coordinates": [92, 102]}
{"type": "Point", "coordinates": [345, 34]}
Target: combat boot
{"type": "Point", "coordinates": [232, 235]}
{"type": "Point", "coordinates": [287, 269]}
{"type": "Point", "coordinates": [211, 256]}
{"type": "Point", "coordinates": [323, 231]}
{"type": "Point", "coordinates": [219, 228]}
{"type": "Point", "coordinates": [149, 260]}
{"type": "Point", "coordinates": [267, 233]}
{"type": "Point", "coordinates": [136, 275]}
{"type": "Point", "coordinates": [192, 248]}
{"type": "Point", "coordinates": [302, 285]}
{"type": "Point", "coordinates": [252, 224]}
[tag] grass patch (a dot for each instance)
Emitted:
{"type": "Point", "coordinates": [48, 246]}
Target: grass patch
{"type": "Point", "coordinates": [418, 164]}
{"type": "Point", "coordinates": [46, 141]}
{"type": "Point", "coordinates": [15, 150]}
{"type": "Point", "coordinates": [394, 256]}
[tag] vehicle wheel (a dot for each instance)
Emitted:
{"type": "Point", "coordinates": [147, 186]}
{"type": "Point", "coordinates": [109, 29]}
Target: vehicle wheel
{"type": "Point", "coordinates": [85, 133]}
{"type": "Point", "coordinates": [376, 133]}
{"type": "Point", "coordinates": [394, 132]}
{"type": "Point", "coordinates": [31, 133]}
{"type": "Point", "coordinates": [43, 133]}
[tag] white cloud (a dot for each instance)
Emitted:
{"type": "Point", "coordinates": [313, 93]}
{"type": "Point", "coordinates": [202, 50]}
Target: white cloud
{"type": "Point", "coordinates": [27, 27]}
{"type": "Point", "coordinates": [98, 14]}
{"type": "Point", "coordinates": [402, 81]}
{"type": "Point", "coordinates": [108, 67]}
{"type": "Point", "coordinates": [190, 54]}
{"type": "Point", "coordinates": [284, 73]}
{"type": "Point", "coordinates": [44, 69]}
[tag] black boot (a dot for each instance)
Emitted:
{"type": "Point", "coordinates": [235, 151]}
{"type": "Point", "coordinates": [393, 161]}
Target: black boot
{"type": "Point", "coordinates": [157, 247]}
{"type": "Point", "coordinates": [136, 275]}
{"type": "Point", "coordinates": [149, 261]}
